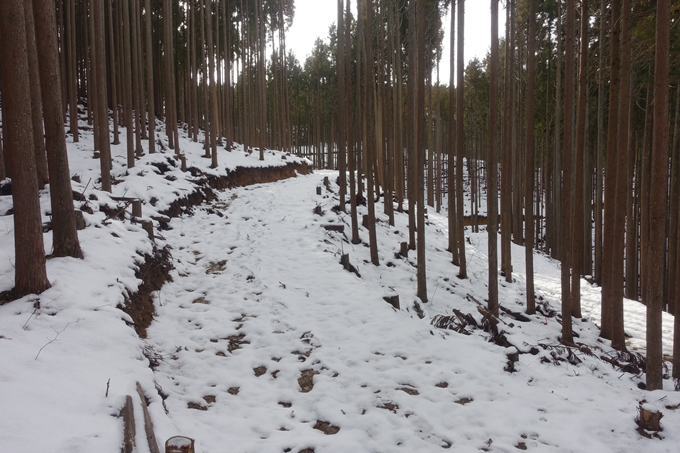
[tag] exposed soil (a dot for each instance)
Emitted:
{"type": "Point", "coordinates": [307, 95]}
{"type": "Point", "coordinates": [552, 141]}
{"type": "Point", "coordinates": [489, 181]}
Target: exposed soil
{"type": "Point", "coordinates": [237, 178]}
{"type": "Point", "coordinates": [154, 272]}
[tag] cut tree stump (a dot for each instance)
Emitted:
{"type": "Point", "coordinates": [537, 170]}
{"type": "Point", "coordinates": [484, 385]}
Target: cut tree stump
{"type": "Point", "coordinates": [183, 159]}
{"type": "Point", "coordinates": [80, 220]}
{"type": "Point", "coordinates": [403, 251]}
{"type": "Point", "coordinates": [129, 432]}
{"type": "Point", "coordinates": [364, 221]}
{"type": "Point", "coordinates": [137, 208]}
{"type": "Point", "coordinates": [318, 190]}
{"type": "Point", "coordinates": [148, 424]}
{"type": "Point", "coordinates": [147, 225]}
{"type": "Point", "coordinates": [392, 300]}
{"type": "Point", "coordinates": [649, 419]}
{"type": "Point", "coordinates": [179, 444]}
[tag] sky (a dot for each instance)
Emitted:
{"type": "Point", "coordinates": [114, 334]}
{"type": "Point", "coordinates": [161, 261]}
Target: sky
{"type": "Point", "coordinates": [314, 17]}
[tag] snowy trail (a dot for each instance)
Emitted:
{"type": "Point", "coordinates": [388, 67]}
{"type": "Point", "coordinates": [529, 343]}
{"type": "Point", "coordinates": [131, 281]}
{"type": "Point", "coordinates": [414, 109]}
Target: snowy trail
{"type": "Point", "coordinates": [264, 344]}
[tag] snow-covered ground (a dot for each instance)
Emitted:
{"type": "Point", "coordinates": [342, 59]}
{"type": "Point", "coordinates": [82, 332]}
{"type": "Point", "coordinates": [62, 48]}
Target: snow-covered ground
{"type": "Point", "coordinates": [263, 343]}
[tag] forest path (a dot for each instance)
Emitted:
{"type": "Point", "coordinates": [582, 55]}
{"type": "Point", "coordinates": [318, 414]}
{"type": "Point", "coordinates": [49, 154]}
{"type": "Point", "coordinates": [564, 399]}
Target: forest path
{"type": "Point", "coordinates": [264, 344]}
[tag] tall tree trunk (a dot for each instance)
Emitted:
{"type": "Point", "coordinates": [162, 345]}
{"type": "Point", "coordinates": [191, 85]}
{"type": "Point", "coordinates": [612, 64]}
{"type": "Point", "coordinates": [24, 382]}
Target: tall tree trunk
{"type": "Point", "coordinates": [149, 77]}
{"type": "Point", "coordinates": [567, 335]}
{"type": "Point", "coordinates": [450, 176]}
{"type": "Point", "coordinates": [127, 85]}
{"type": "Point", "coordinates": [36, 99]}
{"type": "Point", "coordinates": [460, 142]}
{"type": "Point", "coordinates": [420, 149]}
{"type": "Point", "coordinates": [369, 132]}
{"type": "Point", "coordinates": [64, 234]}
{"type": "Point", "coordinates": [610, 173]}
{"type": "Point", "coordinates": [30, 275]}
{"type": "Point", "coordinates": [529, 170]}
{"type": "Point", "coordinates": [652, 293]}
{"type": "Point", "coordinates": [491, 165]}
{"type": "Point", "coordinates": [579, 167]}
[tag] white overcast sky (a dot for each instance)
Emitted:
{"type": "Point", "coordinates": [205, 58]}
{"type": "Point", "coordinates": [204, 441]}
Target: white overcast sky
{"type": "Point", "coordinates": [313, 17]}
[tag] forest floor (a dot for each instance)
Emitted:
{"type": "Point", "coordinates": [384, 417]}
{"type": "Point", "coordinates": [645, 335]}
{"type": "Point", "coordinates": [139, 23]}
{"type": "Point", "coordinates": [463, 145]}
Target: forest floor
{"type": "Point", "coordinates": [262, 342]}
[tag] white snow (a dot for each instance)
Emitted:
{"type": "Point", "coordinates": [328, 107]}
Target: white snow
{"type": "Point", "coordinates": [259, 299]}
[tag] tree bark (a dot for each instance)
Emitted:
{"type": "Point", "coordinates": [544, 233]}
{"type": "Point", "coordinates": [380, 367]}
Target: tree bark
{"type": "Point", "coordinates": [64, 233]}
{"type": "Point", "coordinates": [29, 266]}
{"type": "Point", "coordinates": [656, 242]}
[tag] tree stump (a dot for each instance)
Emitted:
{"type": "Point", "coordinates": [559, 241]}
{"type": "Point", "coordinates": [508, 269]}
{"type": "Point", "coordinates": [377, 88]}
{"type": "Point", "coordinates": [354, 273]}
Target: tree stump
{"type": "Point", "coordinates": [649, 419]}
{"type": "Point", "coordinates": [326, 182]}
{"type": "Point", "coordinates": [393, 300]}
{"type": "Point", "coordinates": [318, 190]}
{"type": "Point", "coordinates": [179, 444]}
{"type": "Point", "coordinates": [183, 159]}
{"type": "Point", "coordinates": [80, 220]}
{"type": "Point", "coordinates": [344, 260]}
{"type": "Point", "coordinates": [137, 208]}
{"type": "Point", "coordinates": [403, 251]}
{"type": "Point", "coordinates": [364, 221]}
{"type": "Point", "coordinates": [147, 225]}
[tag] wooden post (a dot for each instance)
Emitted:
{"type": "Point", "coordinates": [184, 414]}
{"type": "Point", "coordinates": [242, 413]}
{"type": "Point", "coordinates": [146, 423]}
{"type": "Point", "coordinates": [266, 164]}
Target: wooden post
{"type": "Point", "coordinates": [137, 208]}
{"type": "Point", "coordinates": [128, 413]}
{"type": "Point", "coordinates": [364, 221]}
{"type": "Point", "coordinates": [318, 190]}
{"type": "Point", "coordinates": [148, 424]}
{"type": "Point", "coordinates": [147, 226]}
{"type": "Point", "coordinates": [179, 444]}
{"type": "Point", "coordinates": [183, 159]}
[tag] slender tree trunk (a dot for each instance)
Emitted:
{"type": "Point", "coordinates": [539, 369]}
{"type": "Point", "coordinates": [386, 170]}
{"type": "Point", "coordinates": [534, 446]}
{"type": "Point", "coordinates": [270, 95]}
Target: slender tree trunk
{"type": "Point", "coordinates": [579, 167]}
{"type": "Point", "coordinates": [450, 177]}
{"type": "Point", "coordinates": [127, 85]}
{"type": "Point", "coordinates": [420, 150]}
{"type": "Point", "coordinates": [567, 335]}
{"type": "Point", "coordinates": [369, 132]}
{"type": "Point", "coordinates": [529, 170]}
{"type": "Point", "coordinates": [610, 174]}
{"type": "Point", "coordinates": [652, 293]}
{"type": "Point", "coordinates": [149, 77]}
{"type": "Point", "coordinates": [460, 142]}
{"type": "Point", "coordinates": [492, 166]}
{"type": "Point", "coordinates": [65, 237]}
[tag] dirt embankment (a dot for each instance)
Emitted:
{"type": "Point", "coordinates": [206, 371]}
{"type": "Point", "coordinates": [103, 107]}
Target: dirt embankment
{"type": "Point", "coordinates": [155, 270]}
{"type": "Point", "coordinates": [239, 177]}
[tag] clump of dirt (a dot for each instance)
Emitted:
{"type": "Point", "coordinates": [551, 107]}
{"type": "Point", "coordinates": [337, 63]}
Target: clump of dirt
{"type": "Point", "coordinates": [259, 371]}
{"type": "Point", "coordinates": [463, 401]}
{"type": "Point", "coordinates": [196, 406]}
{"type": "Point", "coordinates": [235, 342]}
{"type": "Point", "coordinates": [326, 427]}
{"type": "Point", "coordinates": [409, 390]}
{"type": "Point", "coordinates": [306, 380]}
{"type": "Point", "coordinates": [442, 385]}
{"type": "Point", "coordinates": [390, 407]}
{"type": "Point", "coordinates": [210, 399]}
{"type": "Point", "coordinates": [233, 390]}
{"type": "Point", "coordinates": [154, 272]}
{"type": "Point", "coordinates": [216, 268]}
